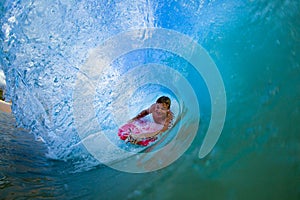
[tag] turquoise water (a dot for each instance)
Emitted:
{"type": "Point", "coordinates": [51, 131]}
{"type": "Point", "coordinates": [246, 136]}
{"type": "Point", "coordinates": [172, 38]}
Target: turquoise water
{"type": "Point", "coordinates": [254, 44]}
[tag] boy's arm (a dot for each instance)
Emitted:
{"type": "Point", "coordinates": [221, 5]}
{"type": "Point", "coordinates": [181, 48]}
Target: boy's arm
{"type": "Point", "coordinates": [142, 114]}
{"type": "Point", "coordinates": [168, 122]}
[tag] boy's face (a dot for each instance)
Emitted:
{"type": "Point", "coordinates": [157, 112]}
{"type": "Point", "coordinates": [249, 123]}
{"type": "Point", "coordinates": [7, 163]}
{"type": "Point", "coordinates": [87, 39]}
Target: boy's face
{"type": "Point", "coordinates": [161, 109]}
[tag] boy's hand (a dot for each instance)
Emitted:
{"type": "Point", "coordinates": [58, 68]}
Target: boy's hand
{"type": "Point", "coordinates": [133, 139]}
{"type": "Point", "coordinates": [130, 121]}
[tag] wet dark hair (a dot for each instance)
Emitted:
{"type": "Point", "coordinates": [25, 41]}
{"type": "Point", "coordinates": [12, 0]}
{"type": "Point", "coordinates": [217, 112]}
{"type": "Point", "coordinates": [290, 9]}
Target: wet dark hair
{"type": "Point", "coordinates": [165, 100]}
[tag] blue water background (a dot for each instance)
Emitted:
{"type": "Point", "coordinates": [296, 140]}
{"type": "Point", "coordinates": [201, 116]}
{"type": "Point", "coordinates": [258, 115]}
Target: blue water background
{"type": "Point", "coordinates": [256, 46]}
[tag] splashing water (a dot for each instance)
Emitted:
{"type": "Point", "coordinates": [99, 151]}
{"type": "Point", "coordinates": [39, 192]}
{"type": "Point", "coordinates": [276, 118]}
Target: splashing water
{"type": "Point", "coordinates": [45, 43]}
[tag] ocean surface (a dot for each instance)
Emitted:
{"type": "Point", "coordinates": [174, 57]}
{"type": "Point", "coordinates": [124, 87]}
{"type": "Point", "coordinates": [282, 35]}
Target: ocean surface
{"type": "Point", "coordinates": [76, 70]}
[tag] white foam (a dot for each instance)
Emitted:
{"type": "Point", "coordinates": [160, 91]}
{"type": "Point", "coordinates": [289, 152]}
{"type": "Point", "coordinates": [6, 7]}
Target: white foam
{"type": "Point", "coordinates": [2, 79]}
